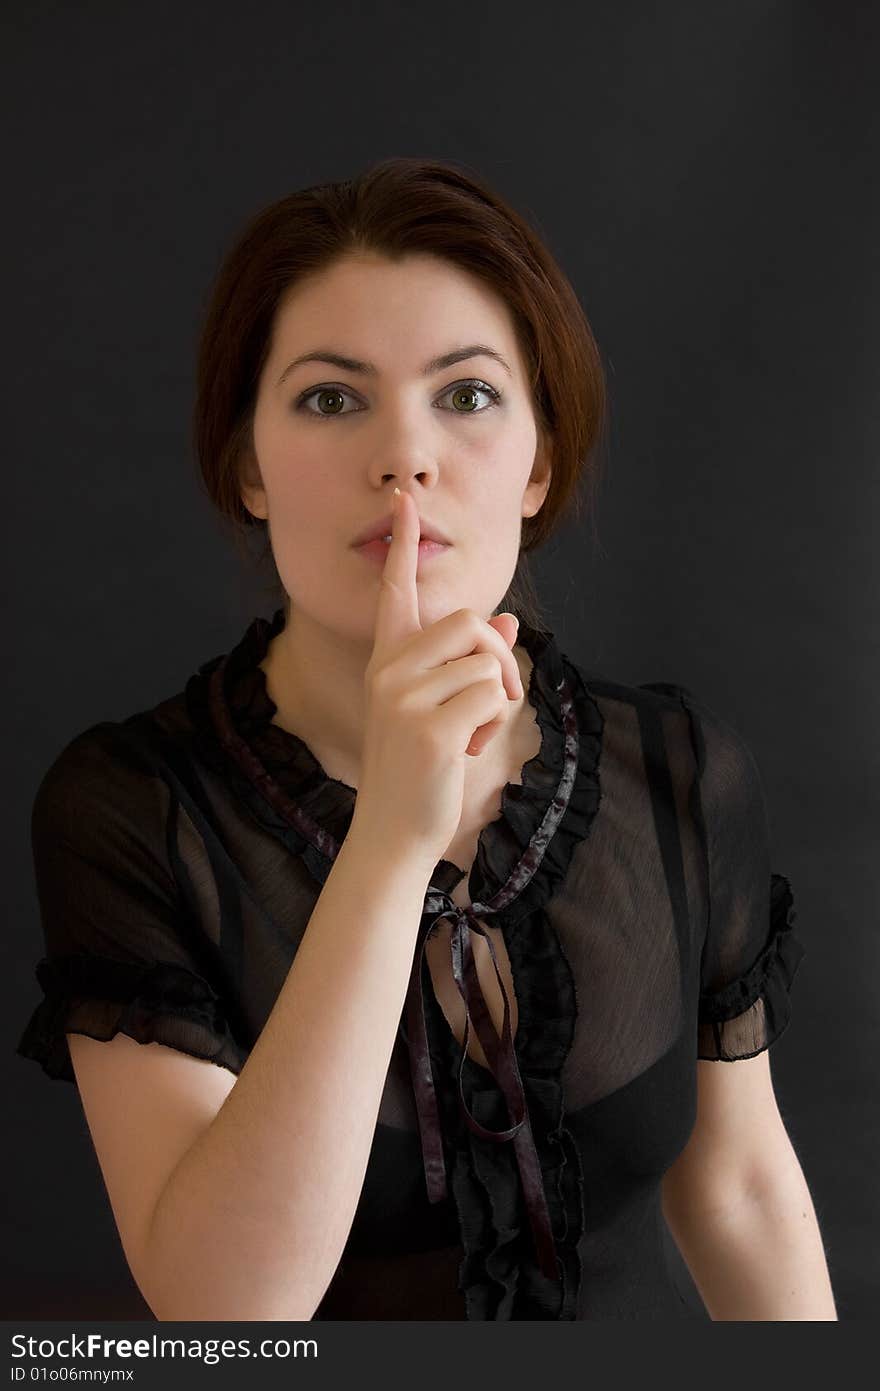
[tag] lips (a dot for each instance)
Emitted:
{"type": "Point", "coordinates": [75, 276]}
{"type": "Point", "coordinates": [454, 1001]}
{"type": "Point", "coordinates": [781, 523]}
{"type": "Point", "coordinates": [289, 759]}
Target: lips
{"type": "Point", "coordinates": [376, 530]}
{"type": "Point", "coordinates": [378, 549]}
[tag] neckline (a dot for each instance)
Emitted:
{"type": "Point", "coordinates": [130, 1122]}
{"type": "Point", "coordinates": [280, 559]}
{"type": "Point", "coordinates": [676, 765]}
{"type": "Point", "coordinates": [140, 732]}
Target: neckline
{"type": "Point", "coordinates": [452, 873]}
{"type": "Point", "coordinates": [229, 704]}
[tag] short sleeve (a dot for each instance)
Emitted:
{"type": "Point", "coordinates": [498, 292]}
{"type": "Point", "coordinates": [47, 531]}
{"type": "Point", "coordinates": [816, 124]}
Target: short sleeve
{"type": "Point", "coordinates": [120, 951]}
{"type": "Point", "coordinates": [751, 952]}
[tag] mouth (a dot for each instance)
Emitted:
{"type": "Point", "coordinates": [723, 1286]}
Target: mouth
{"type": "Point", "coordinates": [381, 530]}
{"type": "Point", "coordinates": [377, 549]}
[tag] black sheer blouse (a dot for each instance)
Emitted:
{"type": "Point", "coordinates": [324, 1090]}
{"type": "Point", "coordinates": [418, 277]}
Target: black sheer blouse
{"type": "Point", "coordinates": [180, 852]}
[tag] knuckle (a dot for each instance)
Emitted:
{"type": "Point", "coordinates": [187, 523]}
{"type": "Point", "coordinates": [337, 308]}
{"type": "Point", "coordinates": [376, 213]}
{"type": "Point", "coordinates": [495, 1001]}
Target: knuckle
{"type": "Point", "coordinates": [389, 583]}
{"type": "Point", "coordinates": [470, 620]}
{"type": "Point", "coordinates": [378, 680]}
{"type": "Point", "coordinates": [489, 665]}
{"type": "Point", "coordinates": [404, 705]}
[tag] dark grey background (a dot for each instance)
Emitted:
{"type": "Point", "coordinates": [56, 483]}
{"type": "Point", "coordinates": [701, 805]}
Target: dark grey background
{"type": "Point", "coordinates": [707, 176]}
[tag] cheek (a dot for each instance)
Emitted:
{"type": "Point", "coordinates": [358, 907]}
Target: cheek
{"type": "Point", "coordinates": [301, 496]}
{"type": "Point", "coordinates": [504, 462]}
{"type": "Point", "coordinates": [496, 491]}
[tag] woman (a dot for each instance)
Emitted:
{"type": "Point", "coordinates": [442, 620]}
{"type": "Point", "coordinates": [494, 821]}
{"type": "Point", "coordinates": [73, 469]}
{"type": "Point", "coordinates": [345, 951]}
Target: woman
{"type": "Point", "coordinates": [394, 957]}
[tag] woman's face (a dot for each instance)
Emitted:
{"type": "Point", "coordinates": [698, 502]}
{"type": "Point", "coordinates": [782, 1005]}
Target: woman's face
{"type": "Point", "coordinates": [333, 442]}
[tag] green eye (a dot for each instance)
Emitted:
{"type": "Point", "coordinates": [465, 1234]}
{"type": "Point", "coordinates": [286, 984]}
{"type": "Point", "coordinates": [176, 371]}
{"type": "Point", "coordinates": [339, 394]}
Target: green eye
{"type": "Point", "coordinates": [335, 395]}
{"type": "Point", "coordinates": [468, 389]}
{"type": "Point", "coordinates": [464, 393]}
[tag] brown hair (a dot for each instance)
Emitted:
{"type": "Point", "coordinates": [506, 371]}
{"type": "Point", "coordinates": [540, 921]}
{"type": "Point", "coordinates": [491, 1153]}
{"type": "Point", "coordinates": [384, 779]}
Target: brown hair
{"type": "Point", "coordinates": [397, 206]}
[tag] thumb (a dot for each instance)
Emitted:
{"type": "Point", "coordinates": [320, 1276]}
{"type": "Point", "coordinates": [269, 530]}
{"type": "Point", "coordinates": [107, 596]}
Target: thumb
{"type": "Point", "coordinates": [507, 625]}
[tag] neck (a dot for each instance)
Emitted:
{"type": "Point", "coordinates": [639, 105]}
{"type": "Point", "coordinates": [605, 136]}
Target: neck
{"type": "Point", "coordinates": [315, 677]}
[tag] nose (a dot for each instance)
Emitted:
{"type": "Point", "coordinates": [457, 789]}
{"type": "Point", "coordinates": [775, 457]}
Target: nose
{"type": "Point", "coordinates": [406, 452]}
{"type": "Point", "coordinates": [409, 474]}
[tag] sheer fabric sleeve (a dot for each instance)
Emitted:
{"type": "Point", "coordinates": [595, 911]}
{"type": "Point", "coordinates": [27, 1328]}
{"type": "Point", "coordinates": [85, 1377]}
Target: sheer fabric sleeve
{"type": "Point", "coordinates": [751, 952]}
{"type": "Point", "coordinates": [120, 951]}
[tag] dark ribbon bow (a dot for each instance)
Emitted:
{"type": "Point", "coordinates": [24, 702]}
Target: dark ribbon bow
{"type": "Point", "coordinates": [501, 1057]}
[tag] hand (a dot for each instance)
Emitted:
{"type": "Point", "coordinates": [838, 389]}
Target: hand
{"type": "Point", "coordinates": [433, 696]}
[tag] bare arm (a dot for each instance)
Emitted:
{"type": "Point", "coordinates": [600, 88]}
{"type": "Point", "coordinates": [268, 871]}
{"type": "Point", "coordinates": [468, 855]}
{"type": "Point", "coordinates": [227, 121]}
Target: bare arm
{"type": "Point", "coordinates": [738, 1206]}
{"type": "Point", "coordinates": [254, 1218]}
{"type": "Point", "coordinates": [761, 1256]}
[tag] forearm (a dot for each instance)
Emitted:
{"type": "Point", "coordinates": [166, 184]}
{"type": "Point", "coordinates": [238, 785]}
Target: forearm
{"type": "Point", "coordinates": [254, 1219]}
{"type": "Point", "coordinates": [759, 1257]}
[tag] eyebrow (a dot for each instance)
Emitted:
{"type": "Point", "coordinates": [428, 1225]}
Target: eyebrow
{"type": "Point", "coordinates": [436, 364]}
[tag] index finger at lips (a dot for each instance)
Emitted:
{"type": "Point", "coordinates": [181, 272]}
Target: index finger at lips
{"type": "Point", "coordinates": [397, 611]}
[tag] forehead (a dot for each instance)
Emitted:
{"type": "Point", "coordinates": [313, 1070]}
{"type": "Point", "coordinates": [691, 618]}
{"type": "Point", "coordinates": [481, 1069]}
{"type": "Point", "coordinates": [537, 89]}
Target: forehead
{"type": "Point", "coordinates": [421, 304]}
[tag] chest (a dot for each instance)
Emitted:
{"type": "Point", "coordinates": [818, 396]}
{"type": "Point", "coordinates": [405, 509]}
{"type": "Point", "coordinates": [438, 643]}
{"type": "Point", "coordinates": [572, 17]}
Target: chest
{"type": "Point", "coordinates": [482, 806]}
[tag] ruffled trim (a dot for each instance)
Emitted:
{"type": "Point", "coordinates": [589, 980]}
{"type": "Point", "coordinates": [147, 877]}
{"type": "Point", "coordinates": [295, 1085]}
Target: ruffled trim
{"type": "Point", "coordinates": [521, 859]}
{"type": "Point", "coordinates": [325, 805]}
{"type": "Point", "coordinates": [757, 1006]}
{"type": "Point", "coordinates": [528, 849]}
{"type": "Point", "coordinates": [100, 997]}
{"type": "Point", "coordinates": [498, 1275]}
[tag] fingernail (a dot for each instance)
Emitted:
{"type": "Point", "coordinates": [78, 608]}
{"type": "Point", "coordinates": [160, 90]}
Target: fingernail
{"type": "Point", "coordinates": [394, 503]}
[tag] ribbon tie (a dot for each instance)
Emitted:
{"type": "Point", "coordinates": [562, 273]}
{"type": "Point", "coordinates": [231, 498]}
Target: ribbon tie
{"type": "Point", "coordinates": [501, 1057]}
